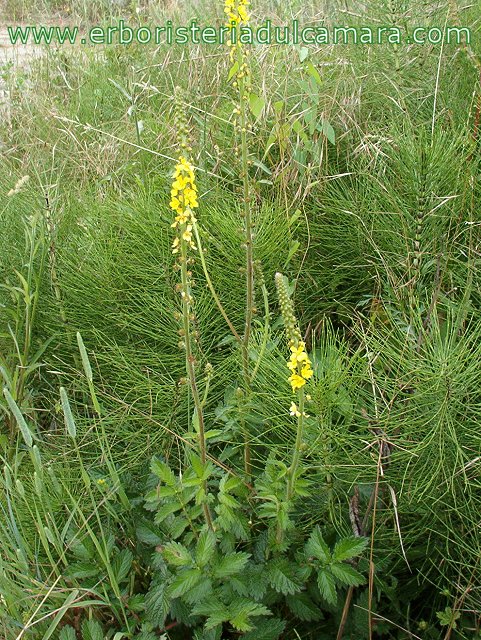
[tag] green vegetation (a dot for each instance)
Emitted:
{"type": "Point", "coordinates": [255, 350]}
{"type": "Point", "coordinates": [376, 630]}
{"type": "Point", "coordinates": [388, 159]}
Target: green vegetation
{"type": "Point", "coordinates": [243, 401]}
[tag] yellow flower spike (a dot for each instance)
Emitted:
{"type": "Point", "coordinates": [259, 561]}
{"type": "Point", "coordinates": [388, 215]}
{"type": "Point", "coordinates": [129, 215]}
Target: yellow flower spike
{"type": "Point", "coordinates": [183, 201]}
{"type": "Point", "coordinates": [298, 364]}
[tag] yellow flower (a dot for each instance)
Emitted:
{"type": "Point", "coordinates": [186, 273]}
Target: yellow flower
{"type": "Point", "coordinates": [243, 15]}
{"type": "Point", "coordinates": [299, 364]}
{"type": "Point", "coordinates": [292, 364]}
{"type": "Point", "coordinates": [294, 411]}
{"type": "Point", "coordinates": [297, 381]}
{"type": "Point", "coordinates": [307, 372]}
{"type": "Point", "coordinates": [237, 12]}
{"type": "Point", "coordinates": [187, 235]}
{"type": "Point", "coordinates": [299, 351]}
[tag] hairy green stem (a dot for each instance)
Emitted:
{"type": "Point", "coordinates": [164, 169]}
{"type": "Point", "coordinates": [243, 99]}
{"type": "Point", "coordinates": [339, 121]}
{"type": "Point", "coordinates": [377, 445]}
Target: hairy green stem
{"type": "Point", "coordinates": [190, 364]}
{"type": "Point", "coordinates": [296, 458]}
{"type": "Point", "coordinates": [296, 454]}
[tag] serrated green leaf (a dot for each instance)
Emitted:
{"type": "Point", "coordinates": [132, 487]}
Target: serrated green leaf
{"type": "Point", "coordinates": [163, 492]}
{"type": "Point", "coordinates": [242, 610]}
{"type": "Point", "coordinates": [81, 570]}
{"type": "Point", "coordinates": [166, 509]}
{"type": "Point", "coordinates": [177, 526]}
{"type": "Point", "coordinates": [79, 550]}
{"type": "Point", "coordinates": [67, 633]}
{"type": "Point", "coordinates": [257, 581]}
{"type": "Point", "coordinates": [146, 635]}
{"type": "Point", "coordinates": [240, 586]}
{"type": "Point", "coordinates": [92, 630]}
{"type": "Point", "coordinates": [317, 547]}
{"type": "Point", "coordinates": [231, 564]}
{"type": "Point", "coordinates": [122, 564]}
{"type": "Point", "coordinates": [283, 576]}
{"type": "Point", "coordinates": [208, 634]}
{"type": "Point", "coordinates": [184, 582]}
{"type": "Point", "coordinates": [149, 534]}
{"type": "Point", "coordinates": [303, 607]}
{"type": "Point", "coordinates": [327, 586]}
{"type": "Point", "coordinates": [181, 611]}
{"type": "Point", "coordinates": [177, 555]}
{"type": "Point", "coordinates": [347, 574]}
{"type": "Point", "coordinates": [136, 602]}
{"type": "Point", "coordinates": [163, 471]}
{"type": "Point", "coordinates": [269, 629]}
{"type": "Point", "coordinates": [448, 617]}
{"type": "Point", "coordinates": [228, 500]}
{"type": "Point", "coordinates": [201, 591]}
{"type": "Point", "coordinates": [197, 465]}
{"type": "Point", "coordinates": [348, 548]}
{"type": "Point", "coordinates": [214, 610]}
{"type": "Point", "coordinates": [231, 483]}
{"type": "Point", "coordinates": [157, 604]}
{"type": "Point", "coordinates": [205, 547]}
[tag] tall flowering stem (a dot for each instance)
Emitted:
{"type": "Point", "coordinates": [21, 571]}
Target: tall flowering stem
{"type": "Point", "coordinates": [238, 15]}
{"type": "Point", "coordinates": [300, 368]}
{"type": "Point", "coordinates": [183, 202]}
